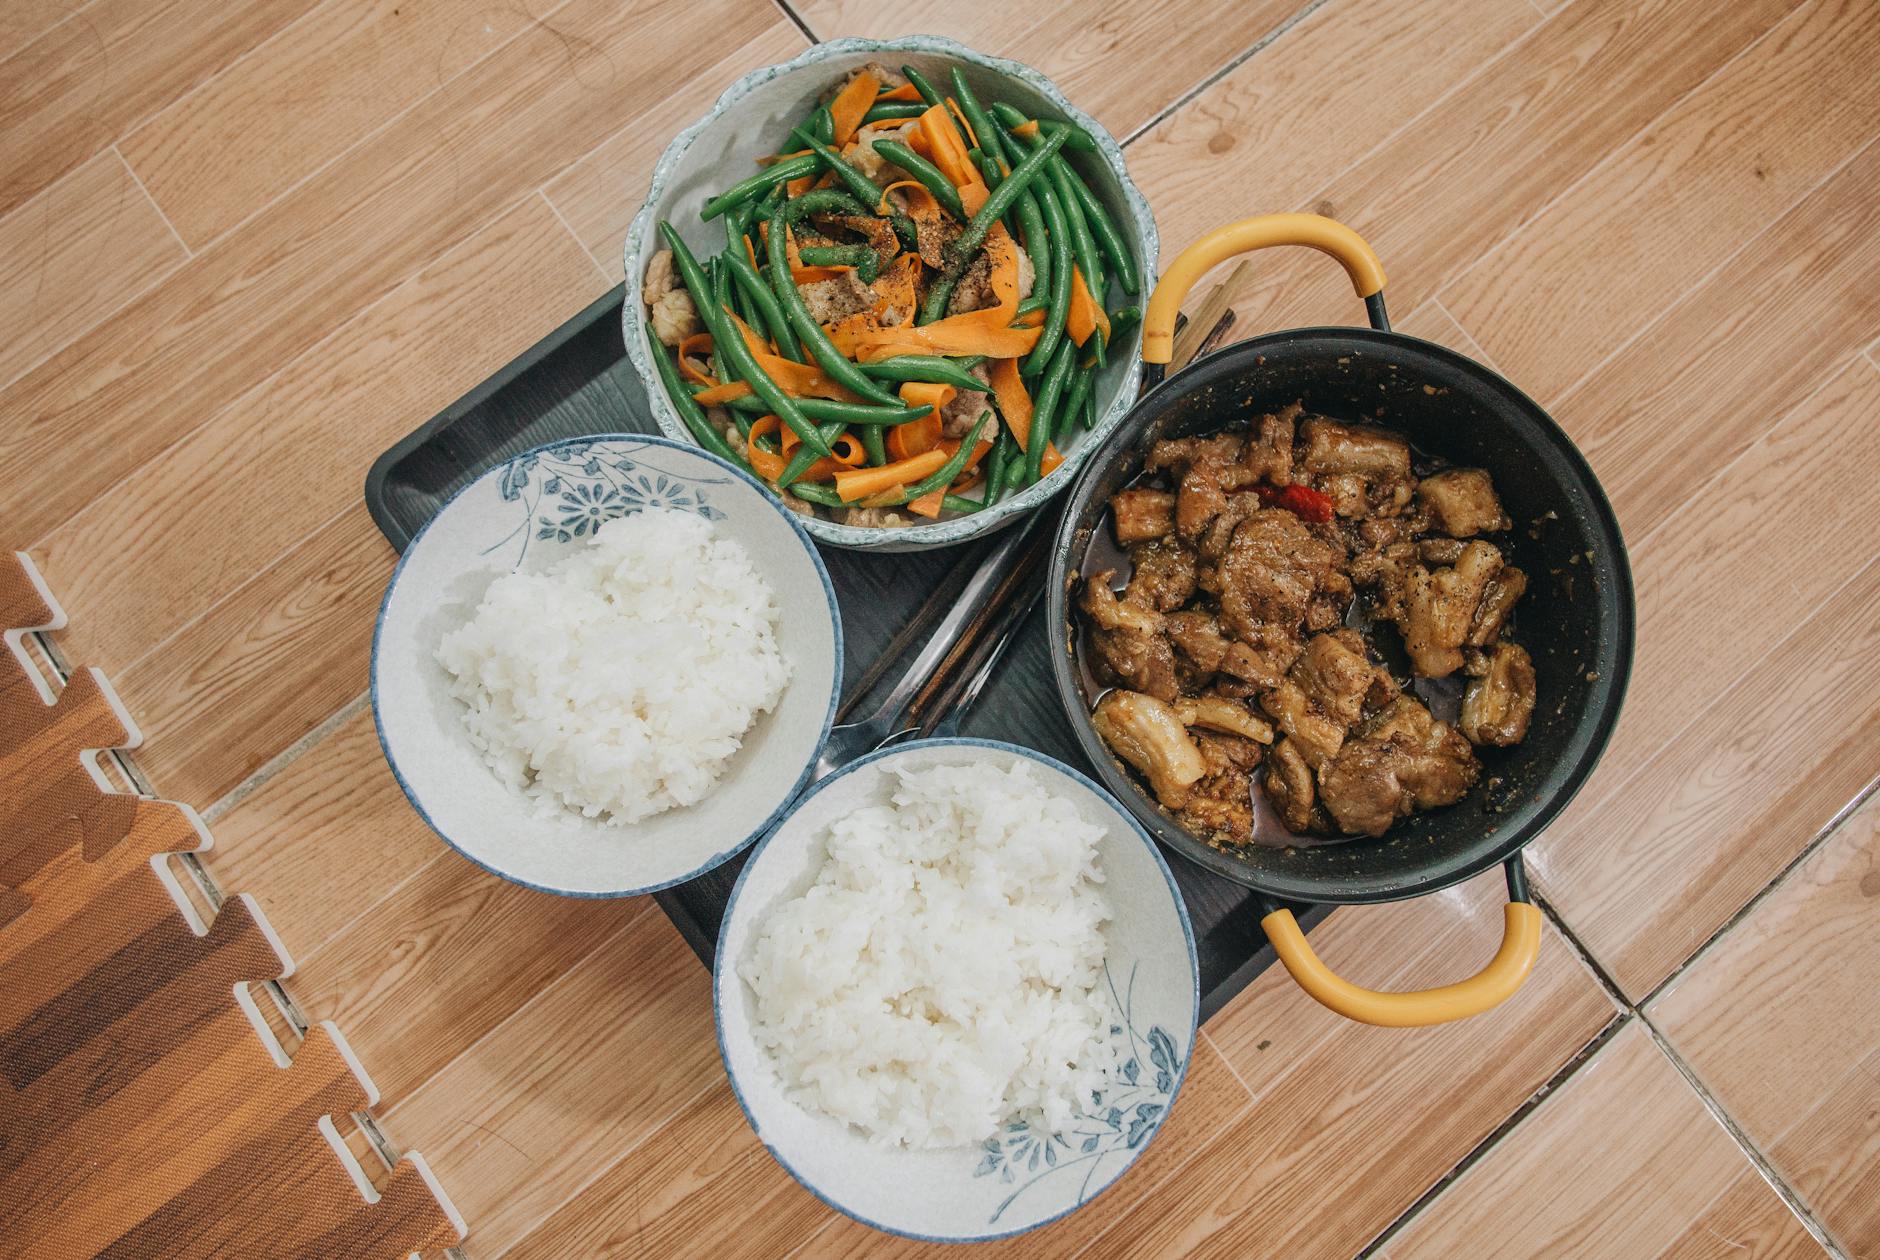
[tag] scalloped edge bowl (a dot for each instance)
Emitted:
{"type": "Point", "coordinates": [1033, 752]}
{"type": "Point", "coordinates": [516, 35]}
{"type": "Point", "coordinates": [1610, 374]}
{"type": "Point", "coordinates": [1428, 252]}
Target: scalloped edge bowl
{"type": "Point", "coordinates": [698, 162]}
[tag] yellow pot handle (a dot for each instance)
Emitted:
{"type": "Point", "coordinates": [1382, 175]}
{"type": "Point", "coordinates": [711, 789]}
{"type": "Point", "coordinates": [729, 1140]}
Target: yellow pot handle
{"type": "Point", "coordinates": [1493, 985]}
{"type": "Point", "coordinates": [1323, 234]}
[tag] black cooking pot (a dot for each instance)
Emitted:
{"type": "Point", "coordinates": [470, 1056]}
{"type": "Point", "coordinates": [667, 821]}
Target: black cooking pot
{"type": "Point", "coordinates": [1576, 618]}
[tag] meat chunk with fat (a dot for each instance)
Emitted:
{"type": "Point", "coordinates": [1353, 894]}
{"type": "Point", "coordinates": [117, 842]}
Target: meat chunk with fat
{"type": "Point", "coordinates": [1497, 707]}
{"type": "Point", "coordinates": [1147, 734]}
{"type": "Point", "coordinates": [1199, 639]}
{"type": "Point", "coordinates": [1292, 788]}
{"type": "Point", "coordinates": [1365, 449]}
{"type": "Point", "coordinates": [1339, 678]}
{"type": "Point", "coordinates": [1316, 735]}
{"type": "Point", "coordinates": [1407, 761]}
{"type": "Point", "coordinates": [1272, 571]}
{"type": "Point", "coordinates": [1439, 609]}
{"type": "Point", "coordinates": [1224, 714]}
{"type": "Point", "coordinates": [1462, 502]}
{"type": "Point", "coordinates": [1269, 451]}
{"type": "Point", "coordinates": [1140, 514]}
{"type": "Point", "coordinates": [1163, 577]}
{"type": "Point", "coordinates": [1497, 604]}
{"type": "Point", "coordinates": [1128, 641]}
{"type": "Point", "coordinates": [1219, 804]}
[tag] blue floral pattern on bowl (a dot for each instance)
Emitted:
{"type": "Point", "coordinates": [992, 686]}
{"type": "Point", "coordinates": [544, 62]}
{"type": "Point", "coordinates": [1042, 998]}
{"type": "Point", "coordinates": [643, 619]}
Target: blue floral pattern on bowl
{"type": "Point", "coordinates": [1119, 1119]}
{"type": "Point", "coordinates": [567, 491]}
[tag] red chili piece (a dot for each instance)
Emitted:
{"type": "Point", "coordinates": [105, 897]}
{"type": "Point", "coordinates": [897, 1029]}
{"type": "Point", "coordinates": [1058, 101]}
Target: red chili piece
{"type": "Point", "coordinates": [1303, 501]}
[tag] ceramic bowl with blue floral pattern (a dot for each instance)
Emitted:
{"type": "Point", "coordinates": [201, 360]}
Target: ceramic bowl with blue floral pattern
{"type": "Point", "coordinates": [1021, 1177]}
{"type": "Point", "coordinates": [751, 120]}
{"type": "Point", "coordinates": [525, 515]}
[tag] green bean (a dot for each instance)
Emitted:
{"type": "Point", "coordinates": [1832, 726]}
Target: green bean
{"type": "Point", "coordinates": [1030, 217]}
{"type": "Point", "coordinates": [872, 445]}
{"type": "Point", "coordinates": [1103, 228]}
{"type": "Point", "coordinates": [924, 367]}
{"type": "Point", "coordinates": [773, 176]}
{"type": "Point", "coordinates": [1074, 395]}
{"type": "Point", "coordinates": [730, 342]}
{"type": "Point", "coordinates": [927, 91]}
{"type": "Point", "coordinates": [948, 471]}
{"type": "Point", "coordinates": [804, 457]}
{"type": "Point", "coordinates": [996, 464]}
{"type": "Point", "coordinates": [863, 258]}
{"type": "Point", "coordinates": [689, 411]}
{"type": "Point", "coordinates": [769, 312]}
{"type": "Point", "coordinates": [824, 124]}
{"type": "Point", "coordinates": [889, 111]}
{"type": "Point", "coordinates": [1036, 302]}
{"type": "Point", "coordinates": [926, 172]}
{"type": "Point", "coordinates": [1075, 137]}
{"type": "Point", "coordinates": [1037, 246]}
{"type": "Point", "coordinates": [863, 188]}
{"type": "Point", "coordinates": [1123, 319]}
{"type": "Point", "coordinates": [1001, 200]}
{"type": "Point", "coordinates": [976, 117]}
{"type": "Point", "coordinates": [820, 201]}
{"type": "Point", "coordinates": [1058, 302]}
{"type": "Point", "coordinates": [821, 409]}
{"type": "Point", "coordinates": [823, 496]}
{"type": "Point", "coordinates": [836, 367]}
{"type": "Point", "coordinates": [1083, 245]}
{"type": "Point", "coordinates": [1044, 410]}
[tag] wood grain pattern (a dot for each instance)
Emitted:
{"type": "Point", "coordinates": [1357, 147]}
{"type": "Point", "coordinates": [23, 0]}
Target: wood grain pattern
{"type": "Point", "coordinates": [1708, 594]}
{"type": "Point", "coordinates": [73, 254]}
{"type": "Point", "coordinates": [248, 135]}
{"type": "Point", "coordinates": [1314, 101]}
{"type": "Point", "coordinates": [297, 442]}
{"type": "Point", "coordinates": [26, 20]}
{"type": "Point", "coordinates": [81, 85]}
{"type": "Point", "coordinates": [598, 1061]}
{"type": "Point", "coordinates": [1677, 200]}
{"type": "Point", "coordinates": [1497, 148]}
{"type": "Point", "coordinates": [1081, 45]}
{"type": "Point", "coordinates": [352, 233]}
{"type": "Point", "coordinates": [1645, 1159]}
{"type": "Point", "coordinates": [1781, 1020]}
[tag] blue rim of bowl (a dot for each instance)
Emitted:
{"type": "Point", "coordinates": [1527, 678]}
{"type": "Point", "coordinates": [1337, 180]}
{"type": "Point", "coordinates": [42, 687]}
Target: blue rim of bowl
{"type": "Point", "coordinates": [720, 972]}
{"type": "Point", "coordinates": [796, 789]}
{"type": "Point", "coordinates": [1145, 235]}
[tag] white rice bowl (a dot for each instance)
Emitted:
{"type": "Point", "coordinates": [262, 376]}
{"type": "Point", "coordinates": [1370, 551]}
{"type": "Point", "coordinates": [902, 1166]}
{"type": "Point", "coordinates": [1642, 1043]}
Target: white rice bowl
{"type": "Point", "coordinates": [999, 1054]}
{"type": "Point", "coordinates": [940, 975]}
{"type": "Point", "coordinates": [619, 681]}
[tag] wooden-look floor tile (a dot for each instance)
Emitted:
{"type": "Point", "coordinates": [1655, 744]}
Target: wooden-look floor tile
{"type": "Point", "coordinates": [1684, 399]}
{"type": "Point", "coordinates": [325, 839]}
{"type": "Point", "coordinates": [229, 148]}
{"type": "Point", "coordinates": [1573, 285]}
{"type": "Point", "coordinates": [1314, 101]}
{"type": "Point", "coordinates": [1350, 1124]}
{"type": "Point", "coordinates": [1711, 607]}
{"type": "Point", "coordinates": [1081, 46]}
{"type": "Point", "coordinates": [1621, 1160]}
{"type": "Point", "coordinates": [577, 1077]}
{"type": "Point", "coordinates": [86, 81]}
{"type": "Point", "coordinates": [599, 194]}
{"type": "Point", "coordinates": [451, 953]}
{"type": "Point", "coordinates": [346, 237]}
{"type": "Point", "coordinates": [23, 21]}
{"type": "Point", "coordinates": [1781, 1021]}
{"type": "Point", "coordinates": [1509, 138]}
{"type": "Point", "coordinates": [1702, 825]}
{"type": "Point", "coordinates": [209, 513]}
{"type": "Point", "coordinates": [72, 255]}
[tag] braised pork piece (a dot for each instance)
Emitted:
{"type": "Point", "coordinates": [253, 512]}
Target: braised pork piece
{"type": "Point", "coordinates": [1233, 654]}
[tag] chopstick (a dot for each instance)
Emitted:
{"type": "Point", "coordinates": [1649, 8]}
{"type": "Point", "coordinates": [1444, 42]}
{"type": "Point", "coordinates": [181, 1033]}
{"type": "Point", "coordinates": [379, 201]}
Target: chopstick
{"type": "Point", "coordinates": [1203, 331]}
{"type": "Point", "coordinates": [943, 597]}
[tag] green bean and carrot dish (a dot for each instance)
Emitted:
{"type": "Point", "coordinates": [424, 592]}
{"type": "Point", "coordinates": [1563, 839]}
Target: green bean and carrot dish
{"type": "Point", "coordinates": [909, 308]}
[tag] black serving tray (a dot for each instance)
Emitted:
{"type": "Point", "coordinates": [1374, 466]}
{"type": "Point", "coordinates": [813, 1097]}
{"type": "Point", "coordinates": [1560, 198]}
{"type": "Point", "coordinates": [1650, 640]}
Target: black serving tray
{"type": "Point", "coordinates": [578, 381]}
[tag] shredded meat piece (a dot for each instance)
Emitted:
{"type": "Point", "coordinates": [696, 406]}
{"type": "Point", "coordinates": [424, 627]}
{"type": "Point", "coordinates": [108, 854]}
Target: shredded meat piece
{"type": "Point", "coordinates": [1439, 608]}
{"type": "Point", "coordinates": [1164, 577]}
{"type": "Point", "coordinates": [1128, 641]}
{"type": "Point", "coordinates": [1142, 515]}
{"type": "Point", "coordinates": [1220, 803]}
{"type": "Point", "coordinates": [1462, 503]}
{"type": "Point", "coordinates": [1148, 735]}
{"type": "Point", "coordinates": [958, 417]}
{"type": "Point", "coordinates": [669, 306]}
{"type": "Point", "coordinates": [1408, 761]}
{"type": "Point", "coordinates": [1291, 787]}
{"type": "Point", "coordinates": [1497, 706]}
{"type": "Point", "coordinates": [1222, 713]}
{"type": "Point", "coordinates": [877, 518]}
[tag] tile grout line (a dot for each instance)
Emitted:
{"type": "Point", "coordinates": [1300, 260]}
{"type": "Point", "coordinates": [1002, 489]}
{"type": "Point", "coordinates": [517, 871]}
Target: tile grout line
{"type": "Point", "coordinates": [1482, 1149]}
{"type": "Point", "coordinates": [1186, 98]}
{"type": "Point", "coordinates": [1481, 353]}
{"type": "Point", "coordinates": [141, 187]}
{"type": "Point", "coordinates": [1612, 154]}
{"type": "Point", "coordinates": [273, 766]}
{"type": "Point", "coordinates": [1666, 309]}
{"type": "Point", "coordinates": [1759, 1161]}
{"type": "Point", "coordinates": [1201, 1034]}
{"type": "Point", "coordinates": [561, 218]}
{"type": "Point", "coordinates": [1816, 843]}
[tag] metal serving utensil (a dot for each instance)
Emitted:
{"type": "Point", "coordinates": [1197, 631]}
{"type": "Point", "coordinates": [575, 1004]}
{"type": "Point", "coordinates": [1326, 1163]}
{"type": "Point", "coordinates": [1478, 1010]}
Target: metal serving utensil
{"type": "Point", "coordinates": [957, 638]}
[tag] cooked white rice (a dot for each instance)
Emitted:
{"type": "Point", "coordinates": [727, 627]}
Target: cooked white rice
{"type": "Point", "coordinates": [620, 681]}
{"type": "Point", "coordinates": [941, 974]}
